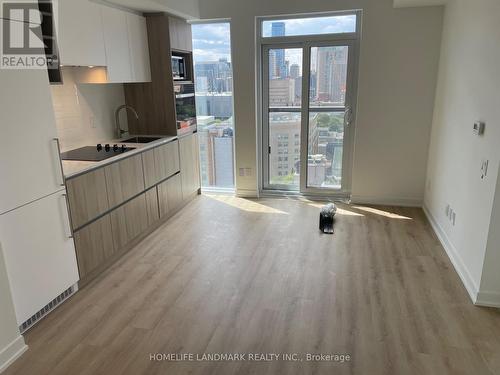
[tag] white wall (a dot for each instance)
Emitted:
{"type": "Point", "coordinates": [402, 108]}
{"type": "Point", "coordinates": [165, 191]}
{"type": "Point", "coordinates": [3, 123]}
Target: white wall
{"type": "Point", "coordinates": [398, 70]}
{"type": "Point", "coordinates": [11, 342]}
{"type": "Point", "coordinates": [85, 112]}
{"type": "Point", "coordinates": [467, 91]}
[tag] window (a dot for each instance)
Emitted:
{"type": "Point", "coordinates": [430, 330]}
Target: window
{"type": "Point", "coordinates": [214, 103]}
{"type": "Point", "coordinates": [309, 26]}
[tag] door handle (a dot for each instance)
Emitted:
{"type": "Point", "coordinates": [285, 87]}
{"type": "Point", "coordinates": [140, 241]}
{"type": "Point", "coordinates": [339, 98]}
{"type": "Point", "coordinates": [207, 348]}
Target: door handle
{"type": "Point", "coordinates": [58, 144]}
{"type": "Point", "coordinates": [348, 116]}
{"type": "Point", "coordinates": [68, 232]}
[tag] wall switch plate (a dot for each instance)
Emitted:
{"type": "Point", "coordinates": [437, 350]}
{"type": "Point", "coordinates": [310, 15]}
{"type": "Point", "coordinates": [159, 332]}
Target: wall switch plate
{"type": "Point", "coordinates": [484, 168]}
{"type": "Point", "coordinates": [478, 128]}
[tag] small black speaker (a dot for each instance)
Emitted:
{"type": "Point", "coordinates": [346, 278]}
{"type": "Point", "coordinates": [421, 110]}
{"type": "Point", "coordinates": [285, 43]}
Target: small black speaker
{"type": "Point", "coordinates": [326, 218]}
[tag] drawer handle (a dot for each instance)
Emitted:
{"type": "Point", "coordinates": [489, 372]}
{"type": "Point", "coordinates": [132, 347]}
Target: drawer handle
{"type": "Point", "coordinates": [68, 231]}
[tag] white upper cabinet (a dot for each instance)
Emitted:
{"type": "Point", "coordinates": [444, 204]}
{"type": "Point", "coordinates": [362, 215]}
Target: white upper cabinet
{"type": "Point", "coordinates": [116, 44]}
{"type": "Point", "coordinates": [139, 48]}
{"type": "Point", "coordinates": [80, 35]}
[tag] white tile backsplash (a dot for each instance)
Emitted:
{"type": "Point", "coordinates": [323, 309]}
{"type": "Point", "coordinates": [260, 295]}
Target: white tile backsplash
{"type": "Point", "coordinates": [85, 112]}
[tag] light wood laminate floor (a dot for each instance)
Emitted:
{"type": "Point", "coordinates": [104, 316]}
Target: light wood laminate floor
{"type": "Point", "coordinates": [229, 275]}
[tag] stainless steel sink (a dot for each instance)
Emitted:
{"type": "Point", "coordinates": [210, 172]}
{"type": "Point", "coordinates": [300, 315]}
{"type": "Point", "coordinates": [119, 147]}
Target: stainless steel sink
{"type": "Point", "coordinates": [140, 139]}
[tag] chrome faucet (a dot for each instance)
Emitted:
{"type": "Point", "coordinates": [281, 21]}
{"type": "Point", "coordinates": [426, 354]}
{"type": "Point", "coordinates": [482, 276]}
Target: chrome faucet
{"type": "Point", "coordinates": [119, 130]}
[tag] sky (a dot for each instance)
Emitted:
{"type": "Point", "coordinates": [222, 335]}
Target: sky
{"type": "Point", "coordinates": [314, 25]}
{"type": "Point", "coordinates": [212, 41]}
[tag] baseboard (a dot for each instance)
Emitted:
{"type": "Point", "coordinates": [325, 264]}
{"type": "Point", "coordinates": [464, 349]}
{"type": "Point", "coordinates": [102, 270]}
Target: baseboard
{"type": "Point", "coordinates": [454, 256]}
{"type": "Point", "coordinates": [247, 193]}
{"type": "Point", "coordinates": [387, 201]}
{"type": "Point", "coordinates": [488, 299]}
{"type": "Point", "coordinates": [12, 352]}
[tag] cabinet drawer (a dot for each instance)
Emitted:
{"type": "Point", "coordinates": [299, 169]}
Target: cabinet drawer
{"type": "Point", "coordinates": [124, 179]}
{"type": "Point", "coordinates": [160, 163]}
{"type": "Point", "coordinates": [87, 197]}
{"type": "Point", "coordinates": [94, 244]}
{"type": "Point", "coordinates": [131, 219]}
{"type": "Point", "coordinates": [168, 158]}
{"type": "Point", "coordinates": [169, 195]}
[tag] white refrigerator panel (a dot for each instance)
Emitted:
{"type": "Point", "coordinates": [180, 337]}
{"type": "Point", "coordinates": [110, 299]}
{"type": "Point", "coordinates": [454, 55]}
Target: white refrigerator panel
{"type": "Point", "coordinates": [39, 253]}
{"type": "Point", "coordinates": [29, 160]}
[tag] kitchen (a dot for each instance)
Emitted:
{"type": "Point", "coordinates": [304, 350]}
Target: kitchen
{"type": "Point", "coordinates": [113, 154]}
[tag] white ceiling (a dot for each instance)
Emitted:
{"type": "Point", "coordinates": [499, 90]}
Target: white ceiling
{"type": "Point", "coordinates": [188, 9]}
{"type": "Point", "coordinates": [417, 3]}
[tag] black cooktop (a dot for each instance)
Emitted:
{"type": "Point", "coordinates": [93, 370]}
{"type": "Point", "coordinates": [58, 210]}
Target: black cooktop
{"type": "Point", "coordinates": [95, 153]}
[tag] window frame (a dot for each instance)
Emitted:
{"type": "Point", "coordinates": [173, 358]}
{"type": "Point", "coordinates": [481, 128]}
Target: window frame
{"type": "Point", "coordinates": [263, 45]}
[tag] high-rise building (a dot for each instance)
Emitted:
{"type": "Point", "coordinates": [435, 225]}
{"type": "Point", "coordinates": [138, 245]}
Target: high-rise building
{"type": "Point", "coordinates": [277, 63]}
{"type": "Point", "coordinates": [294, 71]}
{"type": "Point", "coordinates": [214, 76]}
{"type": "Point", "coordinates": [282, 92]}
{"type": "Point", "coordinates": [216, 152]}
{"type": "Point", "coordinates": [219, 105]}
{"type": "Point", "coordinates": [331, 74]}
{"type": "Point", "coordinates": [285, 146]}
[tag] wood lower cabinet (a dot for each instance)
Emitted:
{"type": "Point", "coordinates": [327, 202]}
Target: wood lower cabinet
{"type": "Point", "coordinates": [124, 179]}
{"type": "Point", "coordinates": [87, 197]}
{"type": "Point", "coordinates": [167, 157]}
{"type": "Point", "coordinates": [190, 165]}
{"type": "Point", "coordinates": [94, 245]}
{"type": "Point", "coordinates": [160, 163]}
{"type": "Point", "coordinates": [170, 195]}
{"type": "Point", "coordinates": [114, 206]}
{"type": "Point", "coordinates": [132, 219]}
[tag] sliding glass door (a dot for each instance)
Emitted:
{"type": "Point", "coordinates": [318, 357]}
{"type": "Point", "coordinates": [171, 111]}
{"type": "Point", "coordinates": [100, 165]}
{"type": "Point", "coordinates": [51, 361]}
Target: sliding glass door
{"type": "Point", "coordinates": [308, 95]}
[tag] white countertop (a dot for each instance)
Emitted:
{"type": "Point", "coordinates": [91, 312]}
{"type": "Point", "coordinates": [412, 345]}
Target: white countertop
{"type": "Point", "coordinates": [72, 168]}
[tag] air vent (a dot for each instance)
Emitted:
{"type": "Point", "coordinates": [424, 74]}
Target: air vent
{"type": "Point", "coordinates": [47, 309]}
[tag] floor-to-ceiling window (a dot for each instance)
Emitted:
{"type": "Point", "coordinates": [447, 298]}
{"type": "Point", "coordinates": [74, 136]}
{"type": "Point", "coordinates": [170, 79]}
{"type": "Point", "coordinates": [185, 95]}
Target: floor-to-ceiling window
{"type": "Point", "coordinates": [214, 103]}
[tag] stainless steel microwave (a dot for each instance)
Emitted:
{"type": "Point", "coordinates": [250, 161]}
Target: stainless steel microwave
{"type": "Point", "coordinates": [179, 68]}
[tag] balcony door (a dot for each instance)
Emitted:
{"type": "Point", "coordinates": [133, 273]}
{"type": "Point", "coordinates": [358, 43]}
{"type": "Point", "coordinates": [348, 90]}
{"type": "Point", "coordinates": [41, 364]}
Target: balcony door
{"type": "Point", "coordinates": [308, 98]}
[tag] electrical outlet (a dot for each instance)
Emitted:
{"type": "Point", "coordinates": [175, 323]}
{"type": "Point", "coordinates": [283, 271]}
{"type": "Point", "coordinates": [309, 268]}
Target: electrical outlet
{"type": "Point", "coordinates": [92, 121]}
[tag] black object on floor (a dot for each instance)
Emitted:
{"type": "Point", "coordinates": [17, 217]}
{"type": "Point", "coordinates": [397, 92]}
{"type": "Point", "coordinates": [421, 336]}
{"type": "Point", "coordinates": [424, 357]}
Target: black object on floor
{"type": "Point", "coordinates": [326, 218]}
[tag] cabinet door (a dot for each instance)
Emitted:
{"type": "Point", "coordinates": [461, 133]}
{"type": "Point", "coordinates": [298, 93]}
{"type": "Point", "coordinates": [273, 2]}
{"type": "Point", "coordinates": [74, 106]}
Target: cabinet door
{"type": "Point", "coordinates": [167, 156]}
{"type": "Point", "coordinates": [124, 179]}
{"type": "Point", "coordinates": [39, 253]}
{"type": "Point", "coordinates": [29, 161]}
{"type": "Point", "coordinates": [130, 220]}
{"type": "Point", "coordinates": [116, 45]}
{"type": "Point", "coordinates": [94, 245]}
{"type": "Point", "coordinates": [87, 197]}
{"type": "Point", "coordinates": [80, 37]}
{"type": "Point", "coordinates": [189, 162]}
{"type": "Point", "coordinates": [170, 195]}
{"type": "Point", "coordinates": [180, 34]}
{"type": "Point", "coordinates": [139, 48]}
